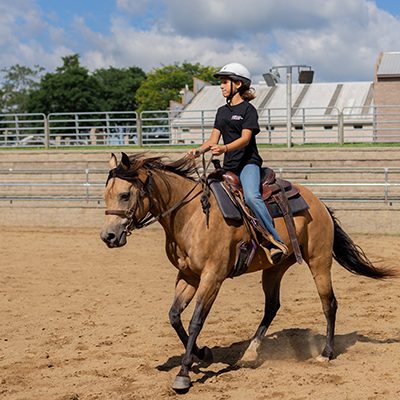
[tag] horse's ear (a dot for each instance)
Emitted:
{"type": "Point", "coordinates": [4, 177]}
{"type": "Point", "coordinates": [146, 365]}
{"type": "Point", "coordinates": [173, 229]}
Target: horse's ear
{"type": "Point", "coordinates": [113, 161]}
{"type": "Point", "coordinates": [125, 162]}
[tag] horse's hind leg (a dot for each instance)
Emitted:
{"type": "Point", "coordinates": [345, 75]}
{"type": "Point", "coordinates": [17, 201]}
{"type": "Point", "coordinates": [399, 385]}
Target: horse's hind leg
{"type": "Point", "coordinates": [184, 293]}
{"type": "Point", "coordinates": [271, 281]}
{"type": "Point", "coordinates": [320, 267]}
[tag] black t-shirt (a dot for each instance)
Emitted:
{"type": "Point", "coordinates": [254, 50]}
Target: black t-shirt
{"type": "Point", "coordinates": [230, 121]}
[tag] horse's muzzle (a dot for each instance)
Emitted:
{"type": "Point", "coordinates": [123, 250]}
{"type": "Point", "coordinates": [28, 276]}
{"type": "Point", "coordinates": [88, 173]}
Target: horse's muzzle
{"type": "Point", "coordinates": [112, 239]}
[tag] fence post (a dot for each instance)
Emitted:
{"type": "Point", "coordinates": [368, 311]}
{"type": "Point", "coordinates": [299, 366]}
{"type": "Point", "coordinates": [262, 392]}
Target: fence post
{"type": "Point", "coordinates": [341, 127]}
{"type": "Point", "coordinates": [76, 117]}
{"type": "Point", "coordinates": [46, 132]}
{"type": "Point", "coordinates": [87, 184]}
{"type": "Point", "coordinates": [16, 128]}
{"type": "Point", "coordinates": [139, 129]}
{"type": "Point", "coordinates": [269, 126]}
{"type": "Point", "coordinates": [386, 194]}
{"type": "Point", "coordinates": [108, 130]}
{"type": "Point", "coordinates": [374, 124]}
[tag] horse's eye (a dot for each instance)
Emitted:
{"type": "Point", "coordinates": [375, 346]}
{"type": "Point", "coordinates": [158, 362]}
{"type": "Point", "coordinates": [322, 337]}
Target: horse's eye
{"type": "Point", "coordinates": [124, 196]}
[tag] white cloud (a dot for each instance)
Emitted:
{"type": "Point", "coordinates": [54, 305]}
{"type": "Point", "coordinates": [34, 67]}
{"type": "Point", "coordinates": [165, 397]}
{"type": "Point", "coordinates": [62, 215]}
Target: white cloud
{"type": "Point", "coordinates": [153, 48]}
{"type": "Point", "coordinates": [137, 8]}
{"type": "Point", "coordinates": [347, 49]}
{"type": "Point", "coordinates": [232, 18]}
{"type": "Point", "coordinates": [340, 39]}
{"type": "Point", "coordinates": [133, 6]}
{"type": "Point", "coordinates": [20, 24]}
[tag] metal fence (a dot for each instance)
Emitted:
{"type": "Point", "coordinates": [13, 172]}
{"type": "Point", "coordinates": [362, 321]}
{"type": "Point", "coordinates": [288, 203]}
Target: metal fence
{"type": "Point", "coordinates": [92, 129]}
{"type": "Point", "coordinates": [367, 185]}
{"type": "Point", "coordinates": [18, 130]}
{"type": "Point", "coordinates": [309, 125]}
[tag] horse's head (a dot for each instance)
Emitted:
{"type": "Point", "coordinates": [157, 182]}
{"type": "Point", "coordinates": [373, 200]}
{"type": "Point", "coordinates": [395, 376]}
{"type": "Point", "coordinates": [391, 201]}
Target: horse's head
{"type": "Point", "coordinates": [127, 201]}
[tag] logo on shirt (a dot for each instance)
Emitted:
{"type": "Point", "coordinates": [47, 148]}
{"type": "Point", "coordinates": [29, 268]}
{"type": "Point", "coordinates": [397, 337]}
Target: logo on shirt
{"type": "Point", "coordinates": [236, 117]}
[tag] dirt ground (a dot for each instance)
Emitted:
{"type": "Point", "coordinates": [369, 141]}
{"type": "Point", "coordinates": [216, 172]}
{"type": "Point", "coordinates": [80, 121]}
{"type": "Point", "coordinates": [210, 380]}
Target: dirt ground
{"type": "Point", "coordinates": [80, 321]}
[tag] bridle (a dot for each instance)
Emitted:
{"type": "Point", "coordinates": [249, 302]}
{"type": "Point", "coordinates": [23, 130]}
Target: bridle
{"type": "Point", "coordinates": [149, 218]}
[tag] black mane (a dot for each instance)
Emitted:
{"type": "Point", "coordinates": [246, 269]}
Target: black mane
{"type": "Point", "coordinates": [185, 167]}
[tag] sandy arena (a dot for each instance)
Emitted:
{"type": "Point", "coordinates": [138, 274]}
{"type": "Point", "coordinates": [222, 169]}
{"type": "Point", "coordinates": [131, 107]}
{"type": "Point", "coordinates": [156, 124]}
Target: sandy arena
{"type": "Point", "coordinates": [83, 322]}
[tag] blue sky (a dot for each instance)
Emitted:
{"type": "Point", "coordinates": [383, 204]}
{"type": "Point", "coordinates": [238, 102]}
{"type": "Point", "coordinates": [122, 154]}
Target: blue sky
{"type": "Point", "coordinates": [392, 6]}
{"type": "Point", "coordinates": [340, 39]}
{"type": "Point", "coordinates": [96, 13]}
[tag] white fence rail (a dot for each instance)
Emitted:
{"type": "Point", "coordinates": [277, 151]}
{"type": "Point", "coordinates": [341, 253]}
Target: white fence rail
{"type": "Point", "coordinates": [92, 129]}
{"type": "Point", "coordinates": [18, 130]}
{"type": "Point", "coordinates": [309, 125]}
{"type": "Point", "coordinates": [379, 185]}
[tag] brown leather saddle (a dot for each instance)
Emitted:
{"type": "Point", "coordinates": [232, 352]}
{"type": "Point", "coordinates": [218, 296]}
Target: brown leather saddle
{"type": "Point", "coordinates": [280, 196]}
{"type": "Point", "coordinates": [270, 187]}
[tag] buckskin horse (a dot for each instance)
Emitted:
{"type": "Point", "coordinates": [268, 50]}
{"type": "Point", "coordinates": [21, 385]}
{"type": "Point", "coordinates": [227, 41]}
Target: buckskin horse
{"type": "Point", "coordinates": [141, 190]}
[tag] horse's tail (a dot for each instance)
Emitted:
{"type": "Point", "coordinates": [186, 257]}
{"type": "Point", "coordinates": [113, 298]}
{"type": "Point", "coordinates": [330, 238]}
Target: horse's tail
{"type": "Point", "coordinates": [352, 257]}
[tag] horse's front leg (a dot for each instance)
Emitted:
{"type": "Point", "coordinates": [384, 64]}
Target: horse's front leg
{"type": "Point", "coordinates": [206, 294]}
{"type": "Point", "coordinates": [184, 293]}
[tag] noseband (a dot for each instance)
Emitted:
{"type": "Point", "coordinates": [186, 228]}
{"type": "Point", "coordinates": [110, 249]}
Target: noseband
{"type": "Point", "coordinates": [149, 218]}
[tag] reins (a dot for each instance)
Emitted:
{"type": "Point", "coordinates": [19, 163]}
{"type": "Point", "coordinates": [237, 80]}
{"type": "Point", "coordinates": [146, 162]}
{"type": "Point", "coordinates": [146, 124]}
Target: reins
{"type": "Point", "coordinates": [204, 200]}
{"type": "Point", "coordinates": [149, 218]}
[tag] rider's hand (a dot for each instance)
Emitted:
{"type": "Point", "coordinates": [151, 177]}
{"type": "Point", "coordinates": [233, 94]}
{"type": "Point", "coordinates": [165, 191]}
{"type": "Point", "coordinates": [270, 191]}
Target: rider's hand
{"type": "Point", "coordinates": [193, 153]}
{"type": "Point", "coordinates": [218, 150]}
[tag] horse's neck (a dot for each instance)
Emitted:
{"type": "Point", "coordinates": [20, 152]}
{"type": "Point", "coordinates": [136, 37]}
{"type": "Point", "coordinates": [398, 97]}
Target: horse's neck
{"type": "Point", "coordinates": [171, 189]}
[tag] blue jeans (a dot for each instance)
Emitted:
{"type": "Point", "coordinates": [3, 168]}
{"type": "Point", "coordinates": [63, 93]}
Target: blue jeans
{"type": "Point", "coordinates": [250, 180]}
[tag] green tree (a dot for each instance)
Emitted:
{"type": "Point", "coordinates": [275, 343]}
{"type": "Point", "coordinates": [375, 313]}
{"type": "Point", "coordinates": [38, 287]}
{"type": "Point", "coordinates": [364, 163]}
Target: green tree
{"type": "Point", "coordinates": [164, 84]}
{"type": "Point", "coordinates": [118, 87]}
{"type": "Point", "coordinates": [18, 84]}
{"type": "Point", "coordinates": [69, 89]}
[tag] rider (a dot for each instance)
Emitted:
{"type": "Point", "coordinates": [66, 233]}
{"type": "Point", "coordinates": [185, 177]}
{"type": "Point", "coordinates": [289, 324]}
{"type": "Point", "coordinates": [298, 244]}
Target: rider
{"type": "Point", "coordinates": [237, 122]}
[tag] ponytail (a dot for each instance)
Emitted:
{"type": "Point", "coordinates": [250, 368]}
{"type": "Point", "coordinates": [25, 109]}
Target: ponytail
{"type": "Point", "coordinates": [246, 92]}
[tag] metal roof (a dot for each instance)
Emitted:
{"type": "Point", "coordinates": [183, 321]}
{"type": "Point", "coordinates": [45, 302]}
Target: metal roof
{"type": "Point", "coordinates": [389, 65]}
{"type": "Point", "coordinates": [318, 100]}
{"type": "Point", "coordinates": [317, 95]}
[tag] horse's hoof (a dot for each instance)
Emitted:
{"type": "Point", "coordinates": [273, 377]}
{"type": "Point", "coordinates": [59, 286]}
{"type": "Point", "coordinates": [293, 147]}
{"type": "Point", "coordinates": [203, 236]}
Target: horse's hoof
{"type": "Point", "coordinates": [248, 360]}
{"type": "Point", "coordinates": [250, 357]}
{"type": "Point", "coordinates": [206, 355]}
{"type": "Point", "coordinates": [323, 359]}
{"type": "Point", "coordinates": [181, 383]}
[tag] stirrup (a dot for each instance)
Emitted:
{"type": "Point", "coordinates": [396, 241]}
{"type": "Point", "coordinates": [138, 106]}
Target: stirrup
{"type": "Point", "coordinates": [276, 255]}
{"type": "Point", "coordinates": [281, 246]}
{"type": "Point", "coordinates": [274, 250]}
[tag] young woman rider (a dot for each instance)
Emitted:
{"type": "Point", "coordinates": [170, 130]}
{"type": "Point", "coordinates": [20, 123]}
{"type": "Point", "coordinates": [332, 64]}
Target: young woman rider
{"type": "Point", "coordinates": [237, 122]}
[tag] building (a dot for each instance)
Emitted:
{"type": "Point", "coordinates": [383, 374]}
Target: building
{"type": "Point", "coordinates": [387, 96]}
{"type": "Point", "coordinates": [322, 112]}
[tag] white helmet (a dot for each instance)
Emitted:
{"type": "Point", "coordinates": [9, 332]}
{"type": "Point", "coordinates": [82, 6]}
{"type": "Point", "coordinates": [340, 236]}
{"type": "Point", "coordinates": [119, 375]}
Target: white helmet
{"type": "Point", "coordinates": [234, 71]}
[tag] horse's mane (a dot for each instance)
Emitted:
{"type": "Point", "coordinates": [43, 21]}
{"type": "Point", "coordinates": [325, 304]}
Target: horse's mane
{"type": "Point", "coordinates": [185, 167]}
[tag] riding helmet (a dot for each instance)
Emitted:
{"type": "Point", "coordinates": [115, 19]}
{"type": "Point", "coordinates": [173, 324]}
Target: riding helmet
{"type": "Point", "coordinates": [234, 71]}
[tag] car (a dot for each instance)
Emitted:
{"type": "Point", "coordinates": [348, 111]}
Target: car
{"type": "Point", "coordinates": [30, 141]}
{"type": "Point", "coordinates": [157, 135]}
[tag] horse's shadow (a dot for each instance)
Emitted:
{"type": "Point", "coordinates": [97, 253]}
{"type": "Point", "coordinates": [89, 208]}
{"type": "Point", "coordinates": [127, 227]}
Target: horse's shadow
{"type": "Point", "coordinates": [287, 344]}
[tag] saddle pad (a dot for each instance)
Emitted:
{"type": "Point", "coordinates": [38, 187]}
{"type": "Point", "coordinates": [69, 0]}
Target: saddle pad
{"type": "Point", "coordinates": [230, 210]}
{"type": "Point", "coordinates": [296, 204]}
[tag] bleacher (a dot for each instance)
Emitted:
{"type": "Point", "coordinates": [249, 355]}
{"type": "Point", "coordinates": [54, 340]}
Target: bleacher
{"type": "Point", "coordinates": [334, 174]}
{"type": "Point", "coordinates": [65, 188]}
{"type": "Point", "coordinates": [322, 112]}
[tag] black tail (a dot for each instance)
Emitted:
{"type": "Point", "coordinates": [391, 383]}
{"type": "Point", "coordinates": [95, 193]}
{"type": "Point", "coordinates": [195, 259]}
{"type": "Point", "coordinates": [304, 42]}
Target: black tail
{"type": "Point", "coordinates": [352, 257]}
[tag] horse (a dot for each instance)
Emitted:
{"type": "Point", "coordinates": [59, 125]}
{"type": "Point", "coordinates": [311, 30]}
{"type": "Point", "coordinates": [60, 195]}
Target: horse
{"type": "Point", "coordinates": [141, 190]}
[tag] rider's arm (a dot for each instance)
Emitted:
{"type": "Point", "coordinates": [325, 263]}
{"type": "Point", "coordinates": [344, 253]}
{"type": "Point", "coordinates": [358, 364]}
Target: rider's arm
{"type": "Point", "coordinates": [239, 143]}
{"type": "Point", "coordinates": [211, 141]}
